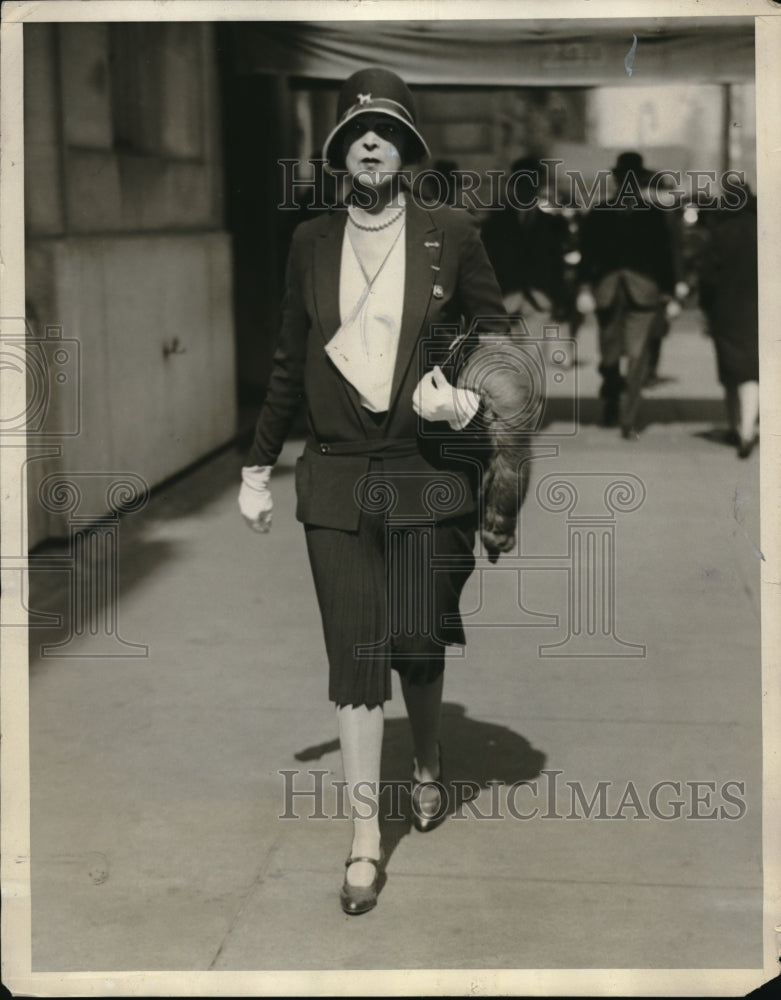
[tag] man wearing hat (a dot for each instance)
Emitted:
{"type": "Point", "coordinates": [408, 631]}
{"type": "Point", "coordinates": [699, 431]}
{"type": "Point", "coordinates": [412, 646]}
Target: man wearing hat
{"type": "Point", "coordinates": [628, 270]}
{"type": "Point", "coordinates": [376, 291]}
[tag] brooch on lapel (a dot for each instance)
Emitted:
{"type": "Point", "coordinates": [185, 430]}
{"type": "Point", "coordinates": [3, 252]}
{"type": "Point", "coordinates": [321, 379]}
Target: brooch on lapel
{"type": "Point", "coordinates": [437, 291]}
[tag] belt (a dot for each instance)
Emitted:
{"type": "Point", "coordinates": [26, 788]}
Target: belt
{"type": "Point", "coordinates": [395, 448]}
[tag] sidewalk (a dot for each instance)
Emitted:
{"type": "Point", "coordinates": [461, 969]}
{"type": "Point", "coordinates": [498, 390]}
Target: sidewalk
{"type": "Point", "coordinates": [156, 785]}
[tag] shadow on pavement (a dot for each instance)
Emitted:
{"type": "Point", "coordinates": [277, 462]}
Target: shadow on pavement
{"type": "Point", "coordinates": [475, 755]}
{"type": "Point", "coordinates": [105, 575]}
{"type": "Point", "coordinates": [717, 435]}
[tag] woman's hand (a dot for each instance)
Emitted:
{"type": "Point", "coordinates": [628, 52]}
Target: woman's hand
{"type": "Point", "coordinates": [436, 399]}
{"type": "Point", "coordinates": [255, 501]}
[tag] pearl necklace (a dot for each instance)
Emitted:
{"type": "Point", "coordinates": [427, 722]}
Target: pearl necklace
{"type": "Point", "coordinates": [380, 225]}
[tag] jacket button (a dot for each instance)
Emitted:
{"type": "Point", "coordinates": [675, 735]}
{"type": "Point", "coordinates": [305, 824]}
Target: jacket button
{"type": "Point", "coordinates": [324, 449]}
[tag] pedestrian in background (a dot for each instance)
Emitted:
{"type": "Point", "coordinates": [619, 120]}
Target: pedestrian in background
{"type": "Point", "coordinates": [628, 270]}
{"type": "Point", "coordinates": [526, 245]}
{"type": "Point", "coordinates": [667, 311]}
{"type": "Point", "coordinates": [728, 297]}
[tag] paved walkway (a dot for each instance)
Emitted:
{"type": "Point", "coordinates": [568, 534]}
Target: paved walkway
{"type": "Point", "coordinates": [156, 785]}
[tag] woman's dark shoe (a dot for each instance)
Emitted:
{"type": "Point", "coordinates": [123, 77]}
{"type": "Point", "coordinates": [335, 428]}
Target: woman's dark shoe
{"type": "Point", "coordinates": [745, 448]}
{"type": "Point", "coordinates": [428, 814]}
{"type": "Point", "coordinates": [357, 899]}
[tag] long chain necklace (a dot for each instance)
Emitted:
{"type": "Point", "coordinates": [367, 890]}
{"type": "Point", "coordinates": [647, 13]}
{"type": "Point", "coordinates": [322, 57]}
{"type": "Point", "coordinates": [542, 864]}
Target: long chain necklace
{"type": "Point", "coordinates": [360, 305]}
{"type": "Point", "coordinates": [381, 225]}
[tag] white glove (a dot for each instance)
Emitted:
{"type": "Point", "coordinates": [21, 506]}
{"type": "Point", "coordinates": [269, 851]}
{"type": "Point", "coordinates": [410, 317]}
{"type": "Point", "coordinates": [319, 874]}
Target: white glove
{"type": "Point", "coordinates": [672, 309]}
{"type": "Point", "coordinates": [512, 302]}
{"type": "Point", "coordinates": [681, 290]}
{"type": "Point", "coordinates": [255, 501]}
{"type": "Point", "coordinates": [435, 399]}
{"type": "Point", "coordinates": [585, 303]}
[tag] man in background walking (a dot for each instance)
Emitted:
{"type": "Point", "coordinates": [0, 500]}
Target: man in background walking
{"type": "Point", "coordinates": [628, 269]}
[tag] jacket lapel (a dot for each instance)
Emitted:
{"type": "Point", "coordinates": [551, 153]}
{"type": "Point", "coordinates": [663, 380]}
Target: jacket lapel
{"type": "Point", "coordinates": [327, 271]}
{"type": "Point", "coordinates": [423, 250]}
{"type": "Point", "coordinates": [327, 268]}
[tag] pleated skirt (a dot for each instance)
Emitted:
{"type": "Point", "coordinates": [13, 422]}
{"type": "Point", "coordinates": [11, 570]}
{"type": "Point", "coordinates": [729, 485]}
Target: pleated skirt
{"type": "Point", "coordinates": [389, 599]}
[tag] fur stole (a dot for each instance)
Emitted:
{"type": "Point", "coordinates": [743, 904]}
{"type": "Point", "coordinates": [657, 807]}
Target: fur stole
{"type": "Point", "coordinates": [504, 375]}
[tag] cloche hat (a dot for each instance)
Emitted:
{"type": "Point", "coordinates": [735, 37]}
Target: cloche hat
{"type": "Point", "coordinates": [377, 91]}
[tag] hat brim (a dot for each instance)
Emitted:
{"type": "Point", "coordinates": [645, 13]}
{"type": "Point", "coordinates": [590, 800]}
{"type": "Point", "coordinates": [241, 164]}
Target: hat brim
{"type": "Point", "coordinates": [332, 152]}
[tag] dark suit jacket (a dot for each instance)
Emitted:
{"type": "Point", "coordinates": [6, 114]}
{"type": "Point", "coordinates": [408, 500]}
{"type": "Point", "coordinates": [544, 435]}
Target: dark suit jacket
{"type": "Point", "coordinates": [449, 286]}
{"type": "Point", "coordinates": [527, 251]}
{"type": "Point", "coordinates": [629, 246]}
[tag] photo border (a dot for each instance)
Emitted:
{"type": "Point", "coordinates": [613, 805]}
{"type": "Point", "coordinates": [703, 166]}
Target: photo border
{"type": "Point", "coordinates": [14, 703]}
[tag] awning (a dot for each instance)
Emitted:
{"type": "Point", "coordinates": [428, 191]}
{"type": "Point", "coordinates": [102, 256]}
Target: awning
{"type": "Point", "coordinates": [503, 52]}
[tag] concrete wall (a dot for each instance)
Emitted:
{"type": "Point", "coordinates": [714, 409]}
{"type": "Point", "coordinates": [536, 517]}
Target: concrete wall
{"type": "Point", "coordinates": [127, 255]}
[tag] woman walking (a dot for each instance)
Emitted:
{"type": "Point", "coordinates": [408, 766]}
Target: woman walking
{"type": "Point", "coordinates": [728, 297]}
{"type": "Point", "coordinates": [374, 290]}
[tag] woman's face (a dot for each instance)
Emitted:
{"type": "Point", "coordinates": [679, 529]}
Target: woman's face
{"type": "Point", "coordinates": [373, 148]}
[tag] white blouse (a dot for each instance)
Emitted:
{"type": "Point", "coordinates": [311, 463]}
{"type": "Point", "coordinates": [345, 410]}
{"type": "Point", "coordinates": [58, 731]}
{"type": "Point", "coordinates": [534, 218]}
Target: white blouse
{"type": "Point", "coordinates": [371, 301]}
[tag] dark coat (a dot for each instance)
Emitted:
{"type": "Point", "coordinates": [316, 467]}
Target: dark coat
{"type": "Point", "coordinates": [728, 294]}
{"type": "Point", "coordinates": [632, 246]}
{"type": "Point", "coordinates": [527, 251]}
{"type": "Point", "coordinates": [449, 286]}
